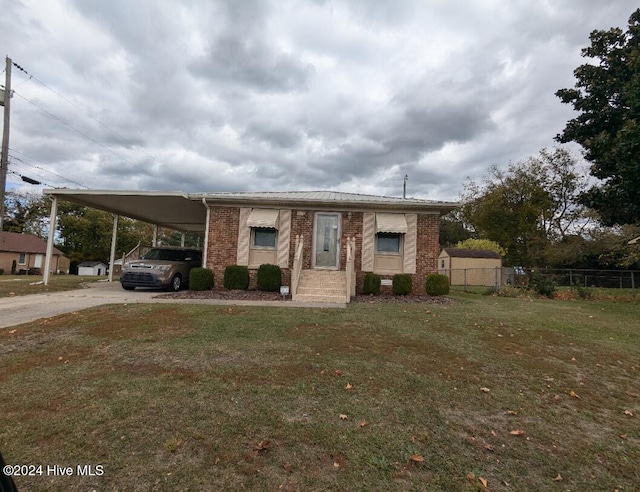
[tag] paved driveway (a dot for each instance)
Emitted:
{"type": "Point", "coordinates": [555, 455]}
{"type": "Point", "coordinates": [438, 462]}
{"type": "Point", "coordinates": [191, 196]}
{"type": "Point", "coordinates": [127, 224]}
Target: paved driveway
{"type": "Point", "coordinates": [23, 309]}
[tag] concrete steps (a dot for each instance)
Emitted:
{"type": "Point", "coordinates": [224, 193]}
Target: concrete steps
{"type": "Point", "coordinates": [322, 286]}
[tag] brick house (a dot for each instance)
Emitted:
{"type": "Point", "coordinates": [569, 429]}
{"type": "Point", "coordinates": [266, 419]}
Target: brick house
{"type": "Point", "coordinates": [324, 241]}
{"type": "Point", "coordinates": [28, 251]}
{"type": "Point", "coordinates": [388, 236]}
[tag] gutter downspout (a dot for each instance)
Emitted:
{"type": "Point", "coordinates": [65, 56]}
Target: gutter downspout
{"type": "Point", "coordinates": [206, 234]}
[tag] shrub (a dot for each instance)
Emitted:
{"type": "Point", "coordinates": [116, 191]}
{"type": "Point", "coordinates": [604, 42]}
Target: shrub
{"type": "Point", "coordinates": [13, 267]}
{"type": "Point", "coordinates": [1, 271]}
{"type": "Point", "coordinates": [200, 279]}
{"type": "Point", "coordinates": [583, 292]}
{"type": "Point", "coordinates": [402, 284]}
{"type": "Point", "coordinates": [372, 284]}
{"type": "Point", "coordinates": [236, 277]}
{"type": "Point", "coordinates": [269, 278]}
{"type": "Point", "coordinates": [437, 284]}
{"type": "Point", "coordinates": [542, 285]}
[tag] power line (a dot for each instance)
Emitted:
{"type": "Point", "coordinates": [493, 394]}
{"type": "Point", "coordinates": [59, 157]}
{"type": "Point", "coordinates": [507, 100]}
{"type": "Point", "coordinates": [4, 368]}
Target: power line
{"type": "Point", "coordinates": [88, 115]}
{"type": "Point", "coordinates": [27, 164]}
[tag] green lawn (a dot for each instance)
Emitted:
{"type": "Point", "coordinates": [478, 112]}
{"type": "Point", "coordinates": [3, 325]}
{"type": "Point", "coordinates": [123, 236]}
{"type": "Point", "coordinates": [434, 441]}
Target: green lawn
{"type": "Point", "coordinates": [21, 285]}
{"type": "Point", "coordinates": [374, 397]}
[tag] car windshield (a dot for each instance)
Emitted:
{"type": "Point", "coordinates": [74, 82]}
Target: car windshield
{"type": "Point", "coordinates": [171, 255]}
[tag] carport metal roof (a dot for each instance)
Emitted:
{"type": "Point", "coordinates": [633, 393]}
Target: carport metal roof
{"type": "Point", "coordinates": [174, 210]}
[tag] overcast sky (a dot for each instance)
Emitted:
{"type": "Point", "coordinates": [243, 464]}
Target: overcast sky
{"type": "Point", "coordinates": [287, 95]}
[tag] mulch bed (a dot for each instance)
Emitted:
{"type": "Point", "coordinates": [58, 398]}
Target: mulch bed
{"type": "Point", "coordinates": [257, 295]}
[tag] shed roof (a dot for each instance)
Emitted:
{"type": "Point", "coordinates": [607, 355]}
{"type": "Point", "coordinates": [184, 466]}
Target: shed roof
{"type": "Point", "coordinates": [471, 253]}
{"type": "Point", "coordinates": [16, 242]}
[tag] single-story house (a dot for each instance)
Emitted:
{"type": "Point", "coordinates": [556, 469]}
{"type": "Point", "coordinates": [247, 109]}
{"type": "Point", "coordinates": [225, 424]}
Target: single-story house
{"type": "Point", "coordinates": [465, 266]}
{"type": "Point", "coordinates": [92, 268]}
{"type": "Point", "coordinates": [324, 241]}
{"type": "Point", "coordinates": [28, 252]}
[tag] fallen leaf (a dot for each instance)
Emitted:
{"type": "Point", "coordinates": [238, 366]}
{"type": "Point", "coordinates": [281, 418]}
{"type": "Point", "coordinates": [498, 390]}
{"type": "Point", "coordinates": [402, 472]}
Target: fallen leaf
{"type": "Point", "coordinates": [512, 412]}
{"type": "Point", "coordinates": [485, 390]}
{"type": "Point", "coordinates": [558, 478]}
{"type": "Point", "coordinates": [338, 372]}
{"type": "Point", "coordinates": [548, 379]}
{"type": "Point", "coordinates": [517, 432]}
{"type": "Point", "coordinates": [489, 447]}
{"type": "Point", "coordinates": [493, 433]}
{"type": "Point", "coordinates": [262, 445]}
{"type": "Point", "coordinates": [557, 398]}
{"type": "Point", "coordinates": [343, 416]}
{"type": "Point", "coordinates": [483, 481]}
{"type": "Point", "coordinates": [624, 436]}
{"type": "Point", "coordinates": [336, 464]}
{"type": "Point", "coordinates": [471, 476]}
{"type": "Point", "coordinates": [628, 413]}
{"type": "Point", "coordinates": [363, 423]}
{"type": "Point", "coordinates": [518, 352]}
{"type": "Point", "coordinates": [573, 359]}
{"type": "Point", "coordinates": [573, 394]}
{"type": "Point", "coordinates": [417, 458]}
{"type": "Point", "coordinates": [348, 386]}
{"type": "Point", "coordinates": [12, 332]}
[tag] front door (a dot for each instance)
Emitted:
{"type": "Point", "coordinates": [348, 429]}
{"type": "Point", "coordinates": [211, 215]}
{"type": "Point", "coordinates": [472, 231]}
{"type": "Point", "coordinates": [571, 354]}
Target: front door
{"type": "Point", "coordinates": [327, 241]}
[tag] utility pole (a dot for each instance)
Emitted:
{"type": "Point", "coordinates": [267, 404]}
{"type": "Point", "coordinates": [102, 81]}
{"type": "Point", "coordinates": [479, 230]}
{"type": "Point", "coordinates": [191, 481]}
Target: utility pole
{"type": "Point", "coordinates": [4, 154]}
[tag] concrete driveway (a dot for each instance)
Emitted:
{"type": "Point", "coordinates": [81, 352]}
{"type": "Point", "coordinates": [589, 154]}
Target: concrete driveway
{"type": "Point", "coordinates": [24, 309]}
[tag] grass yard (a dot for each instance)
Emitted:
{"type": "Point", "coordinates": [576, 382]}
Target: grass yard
{"type": "Point", "coordinates": [486, 393]}
{"type": "Point", "coordinates": [21, 285]}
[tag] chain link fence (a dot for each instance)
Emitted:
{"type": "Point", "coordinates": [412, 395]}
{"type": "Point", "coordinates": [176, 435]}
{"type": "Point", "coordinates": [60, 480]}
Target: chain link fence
{"type": "Point", "coordinates": [519, 276]}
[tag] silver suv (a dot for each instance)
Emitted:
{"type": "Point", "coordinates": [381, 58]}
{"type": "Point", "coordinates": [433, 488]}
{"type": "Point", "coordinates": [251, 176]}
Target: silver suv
{"type": "Point", "coordinates": [166, 268]}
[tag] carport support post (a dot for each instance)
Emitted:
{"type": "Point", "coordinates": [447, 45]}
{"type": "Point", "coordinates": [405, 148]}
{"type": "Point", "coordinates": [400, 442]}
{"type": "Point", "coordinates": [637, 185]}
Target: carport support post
{"type": "Point", "coordinates": [155, 236]}
{"type": "Point", "coordinates": [182, 240]}
{"type": "Point", "coordinates": [52, 232]}
{"type": "Point", "coordinates": [114, 237]}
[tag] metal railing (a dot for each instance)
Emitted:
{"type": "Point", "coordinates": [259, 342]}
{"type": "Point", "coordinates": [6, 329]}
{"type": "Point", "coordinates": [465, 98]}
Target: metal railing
{"type": "Point", "coordinates": [350, 269]}
{"type": "Point", "coordinates": [297, 266]}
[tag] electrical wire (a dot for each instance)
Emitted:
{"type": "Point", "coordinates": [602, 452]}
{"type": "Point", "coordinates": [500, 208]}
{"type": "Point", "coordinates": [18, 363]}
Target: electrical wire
{"type": "Point", "coordinates": [39, 169]}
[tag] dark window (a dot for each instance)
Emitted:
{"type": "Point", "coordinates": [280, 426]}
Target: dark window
{"type": "Point", "coordinates": [264, 237]}
{"type": "Point", "coordinates": [388, 242]}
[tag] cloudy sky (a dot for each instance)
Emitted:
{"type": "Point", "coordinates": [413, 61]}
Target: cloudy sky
{"type": "Point", "coordinates": [268, 95]}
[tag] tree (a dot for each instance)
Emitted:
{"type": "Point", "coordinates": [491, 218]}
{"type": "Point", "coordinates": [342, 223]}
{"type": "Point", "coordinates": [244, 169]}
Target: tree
{"type": "Point", "coordinates": [26, 212]}
{"type": "Point", "coordinates": [528, 206]}
{"type": "Point", "coordinates": [482, 244]}
{"type": "Point", "coordinates": [453, 229]}
{"type": "Point", "coordinates": [607, 95]}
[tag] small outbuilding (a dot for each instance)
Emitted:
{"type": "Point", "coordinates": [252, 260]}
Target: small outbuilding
{"type": "Point", "coordinates": [465, 266]}
{"type": "Point", "coordinates": [92, 268]}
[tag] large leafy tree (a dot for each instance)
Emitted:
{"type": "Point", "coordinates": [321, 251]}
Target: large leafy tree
{"type": "Point", "coordinates": [528, 206]}
{"type": "Point", "coordinates": [607, 96]}
{"type": "Point", "coordinates": [26, 212]}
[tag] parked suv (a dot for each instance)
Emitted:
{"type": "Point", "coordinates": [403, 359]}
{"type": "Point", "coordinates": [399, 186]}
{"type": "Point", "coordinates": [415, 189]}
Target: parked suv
{"type": "Point", "coordinates": [166, 268]}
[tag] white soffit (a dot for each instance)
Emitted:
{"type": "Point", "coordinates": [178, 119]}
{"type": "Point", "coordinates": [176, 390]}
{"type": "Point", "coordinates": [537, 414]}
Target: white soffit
{"type": "Point", "coordinates": [391, 223]}
{"type": "Point", "coordinates": [261, 217]}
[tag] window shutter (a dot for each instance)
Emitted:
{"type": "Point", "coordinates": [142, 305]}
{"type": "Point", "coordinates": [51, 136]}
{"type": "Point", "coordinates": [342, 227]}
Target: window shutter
{"type": "Point", "coordinates": [244, 237]}
{"type": "Point", "coordinates": [410, 243]}
{"type": "Point", "coordinates": [368, 240]}
{"type": "Point", "coordinates": [284, 238]}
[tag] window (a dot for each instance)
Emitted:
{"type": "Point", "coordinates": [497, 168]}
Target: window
{"type": "Point", "coordinates": [263, 238]}
{"type": "Point", "coordinates": [442, 264]}
{"type": "Point", "coordinates": [22, 260]}
{"type": "Point", "coordinates": [389, 243]}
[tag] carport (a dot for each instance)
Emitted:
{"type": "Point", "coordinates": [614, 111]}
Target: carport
{"type": "Point", "coordinates": [173, 210]}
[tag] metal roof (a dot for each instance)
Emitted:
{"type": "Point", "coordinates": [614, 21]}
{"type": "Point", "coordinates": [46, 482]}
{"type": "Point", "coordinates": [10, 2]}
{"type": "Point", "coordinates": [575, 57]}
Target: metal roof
{"type": "Point", "coordinates": [187, 212]}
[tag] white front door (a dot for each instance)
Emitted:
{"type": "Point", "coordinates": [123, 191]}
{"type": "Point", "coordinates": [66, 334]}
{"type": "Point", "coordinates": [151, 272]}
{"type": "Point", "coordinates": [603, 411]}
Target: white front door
{"type": "Point", "coordinates": [326, 240]}
{"type": "Point", "coordinates": [38, 262]}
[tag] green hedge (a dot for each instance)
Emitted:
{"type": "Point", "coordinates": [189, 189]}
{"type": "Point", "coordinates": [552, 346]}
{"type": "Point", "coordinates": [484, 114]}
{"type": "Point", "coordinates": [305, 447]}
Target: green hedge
{"type": "Point", "coordinates": [269, 278]}
{"type": "Point", "coordinates": [437, 285]}
{"type": "Point", "coordinates": [200, 279]}
{"type": "Point", "coordinates": [372, 284]}
{"type": "Point", "coordinates": [236, 277]}
{"type": "Point", "coordinates": [402, 284]}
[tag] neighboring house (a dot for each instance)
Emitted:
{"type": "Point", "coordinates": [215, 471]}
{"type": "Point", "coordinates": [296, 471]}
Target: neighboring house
{"type": "Point", "coordinates": [29, 252]}
{"type": "Point", "coordinates": [92, 268]}
{"type": "Point", "coordinates": [389, 236]}
{"type": "Point", "coordinates": [466, 266]}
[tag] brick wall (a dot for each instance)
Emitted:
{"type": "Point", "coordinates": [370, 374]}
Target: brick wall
{"type": "Point", "coordinates": [223, 244]}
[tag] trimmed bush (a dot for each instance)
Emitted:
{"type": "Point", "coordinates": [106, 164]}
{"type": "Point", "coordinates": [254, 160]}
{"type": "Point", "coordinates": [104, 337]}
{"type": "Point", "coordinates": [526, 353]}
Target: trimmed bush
{"type": "Point", "coordinates": [372, 284]}
{"type": "Point", "coordinates": [269, 278]}
{"type": "Point", "coordinates": [236, 277]}
{"type": "Point", "coordinates": [402, 284]}
{"type": "Point", "coordinates": [1, 271]}
{"type": "Point", "coordinates": [437, 285]}
{"type": "Point", "coordinates": [13, 267]}
{"type": "Point", "coordinates": [200, 279]}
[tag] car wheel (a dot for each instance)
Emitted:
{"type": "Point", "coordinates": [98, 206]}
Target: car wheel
{"type": "Point", "coordinates": [128, 287]}
{"type": "Point", "coordinates": [176, 283]}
